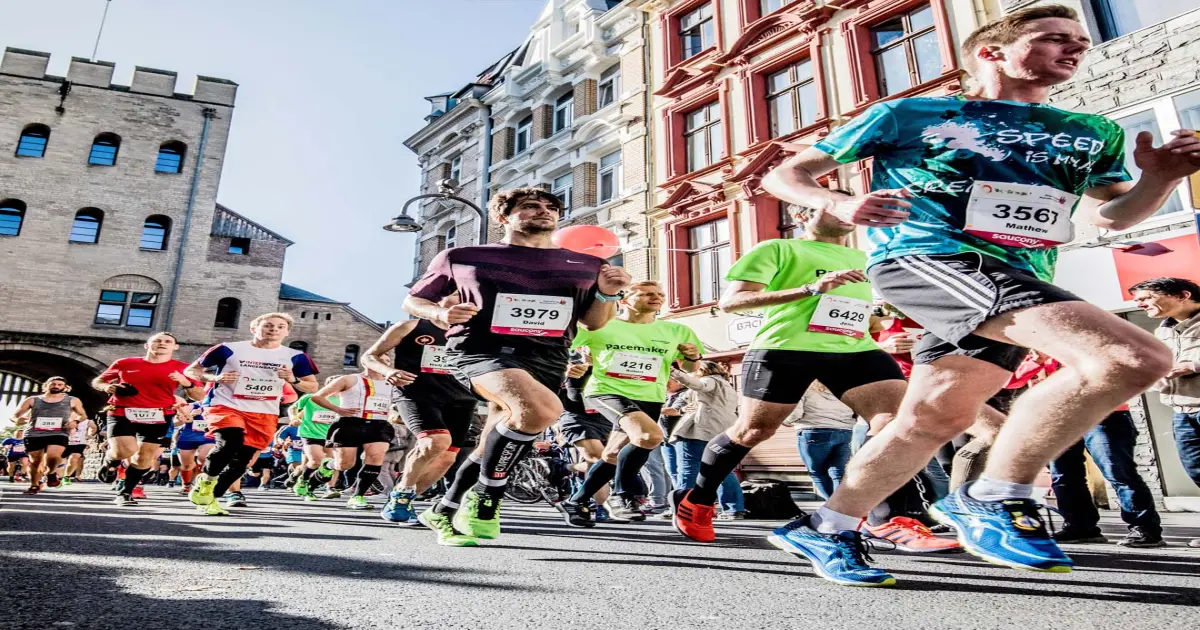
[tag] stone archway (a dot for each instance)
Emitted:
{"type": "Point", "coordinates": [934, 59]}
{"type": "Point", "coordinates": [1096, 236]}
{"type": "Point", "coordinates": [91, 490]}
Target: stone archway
{"type": "Point", "coordinates": [38, 363]}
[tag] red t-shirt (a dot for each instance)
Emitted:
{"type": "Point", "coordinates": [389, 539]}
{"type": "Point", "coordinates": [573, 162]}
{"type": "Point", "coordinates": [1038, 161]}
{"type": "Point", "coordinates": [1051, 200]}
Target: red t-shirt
{"type": "Point", "coordinates": [155, 388]}
{"type": "Point", "coordinates": [897, 328]}
{"type": "Point", "coordinates": [1030, 368]}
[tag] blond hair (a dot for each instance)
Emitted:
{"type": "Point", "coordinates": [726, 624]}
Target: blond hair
{"type": "Point", "coordinates": [265, 316]}
{"type": "Point", "coordinates": [1008, 30]}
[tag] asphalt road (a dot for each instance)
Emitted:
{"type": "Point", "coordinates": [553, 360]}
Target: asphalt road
{"type": "Point", "coordinates": [70, 559]}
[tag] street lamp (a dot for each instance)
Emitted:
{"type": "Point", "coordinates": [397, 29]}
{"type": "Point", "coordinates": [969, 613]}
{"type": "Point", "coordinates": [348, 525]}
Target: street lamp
{"type": "Point", "coordinates": [446, 190]}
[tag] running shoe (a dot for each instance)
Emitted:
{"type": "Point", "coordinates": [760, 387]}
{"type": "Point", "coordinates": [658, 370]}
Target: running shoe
{"type": "Point", "coordinates": [1139, 538]}
{"type": "Point", "coordinates": [840, 558]}
{"type": "Point", "coordinates": [185, 488]}
{"type": "Point", "coordinates": [212, 509]}
{"type": "Point", "coordinates": [332, 493]}
{"type": "Point", "coordinates": [1009, 533]}
{"type": "Point", "coordinates": [66, 481]}
{"type": "Point", "coordinates": [603, 515]}
{"type": "Point", "coordinates": [202, 492]}
{"type": "Point", "coordinates": [398, 509]}
{"type": "Point", "coordinates": [301, 489]}
{"type": "Point", "coordinates": [628, 509]}
{"type": "Point", "coordinates": [479, 516]}
{"type": "Point", "coordinates": [32, 490]}
{"type": "Point", "coordinates": [575, 514]}
{"type": "Point", "coordinates": [655, 510]}
{"type": "Point", "coordinates": [325, 470]}
{"type": "Point", "coordinates": [1070, 535]}
{"type": "Point", "coordinates": [311, 498]}
{"type": "Point", "coordinates": [123, 500]}
{"type": "Point", "coordinates": [910, 536]}
{"type": "Point", "coordinates": [444, 528]}
{"type": "Point", "coordinates": [358, 503]}
{"type": "Point", "coordinates": [731, 516]}
{"type": "Point", "coordinates": [138, 493]}
{"type": "Point", "coordinates": [690, 519]}
{"type": "Point", "coordinates": [107, 474]}
{"type": "Point", "coordinates": [53, 480]}
{"type": "Point", "coordinates": [235, 499]}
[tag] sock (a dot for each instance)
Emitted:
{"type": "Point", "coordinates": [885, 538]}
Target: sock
{"type": "Point", "coordinates": [630, 461]}
{"type": "Point", "coordinates": [366, 477]}
{"type": "Point", "coordinates": [109, 462]}
{"type": "Point", "coordinates": [187, 475]}
{"type": "Point", "coordinates": [597, 477]}
{"type": "Point", "coordinates": [467, 473]}
{"type": "Point", "coordinates": [721, 456]}
{"type": "Point", "coordinates": [502, 450]}
{"type": "Point", "coordinates": [987, 489]}
{"type": "Point", "coordinates": [133, 476]}
{"type": "Point", "coordinates": [969, 462]}
{"type": "Point", "coordinates": [234, 471]}
{"type": "Point", "coordinates": [827, 521]}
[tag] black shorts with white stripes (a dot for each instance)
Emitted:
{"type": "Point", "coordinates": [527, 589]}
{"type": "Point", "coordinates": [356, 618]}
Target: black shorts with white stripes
{"type": "Point", "coordinates": [950, 295]}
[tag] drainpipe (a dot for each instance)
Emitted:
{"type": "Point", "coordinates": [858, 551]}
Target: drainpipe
{"type": "Point", "coordinates": [651, 169]}
{"type": "Point", "coordinates": [209, 113]}
{"type": "Point", "coordinates": [485, 161]}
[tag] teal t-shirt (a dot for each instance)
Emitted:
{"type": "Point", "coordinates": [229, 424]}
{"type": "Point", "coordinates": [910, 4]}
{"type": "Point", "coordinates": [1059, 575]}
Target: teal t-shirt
{"type": "Point", "coordinates": [938, 147]}
{"type": "Point", "coordinates": [634, 360]}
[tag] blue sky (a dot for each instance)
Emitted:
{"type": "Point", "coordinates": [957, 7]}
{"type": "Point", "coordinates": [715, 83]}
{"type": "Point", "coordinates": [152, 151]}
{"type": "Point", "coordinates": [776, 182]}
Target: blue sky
{"type": "Point", "coordinates": [328, 92]}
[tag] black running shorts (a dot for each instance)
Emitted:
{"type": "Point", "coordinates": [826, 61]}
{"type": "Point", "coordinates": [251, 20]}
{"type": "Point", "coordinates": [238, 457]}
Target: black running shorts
{"type": "Point", "coordinates": [262, 463]}
{"type": "Point", "coordinates": [782, 376]}
{"type": "Point", "coordinates": [35, 443]}
{"type": "Point", "coordinates": [950, 295]}
{"type": "Point", "coordinates": [314, 442]}
{"type": "Point", "coordinates": [548, 367]}
{"type": "Point", "coordinates": [424, 418]}
{"type": "Point", "coordinates": [577, 427]}
{"type": "Point", "coordinates": [74, 449]}
{"type": "Point", "coordinates": [119, 426]}
{"type": "Point", "coordinates": [355, 432]}
{"type": "Point", "coordinates": [614, 407]}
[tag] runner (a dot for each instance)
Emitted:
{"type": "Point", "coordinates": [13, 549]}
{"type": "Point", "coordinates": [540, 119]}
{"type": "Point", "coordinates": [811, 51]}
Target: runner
{"type": "Point", "coordinates": [85, 430]}
{"type": "Point", "coordinates": [142, 395]}
{"type": "Point", "coordinates": [435, 406]}
{"type": "Point", "coordinates": [262, 467]}
{"type": "Point", "coordinates": [14, 452]}
{"type": "Point", "coordinates": [632, 357]}
{"type": "Point", "coordinates": [364, 402]}
{"type": "Point", "coordinates": [288, 439]}
{"type": "Point", "coordinates": [521, 299]}
{"type": "Point", "coordinates": [585, 429]}
{"type": "Point", "coordinates": [970, 195]}
{"type": "Point", "coordinates": [315, 421]}
{"type": "Point", "coordinates": [192, 443]}
{"type": "Point", "coordinates": [52, 416]}
{"type": "Point", "coordinates": [242, 406]}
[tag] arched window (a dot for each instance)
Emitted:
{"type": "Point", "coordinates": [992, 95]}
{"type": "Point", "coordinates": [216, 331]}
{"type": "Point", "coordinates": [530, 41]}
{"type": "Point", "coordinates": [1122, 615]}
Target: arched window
{"type": "Point", "coordinates": [33, 141]}
{"type": "Point", "coordinates": [86, 228]}
{"type": "Point", "coordinates": [104, 149]}
{"type": "Point", "coordinates": [155, 232]}
{"type": "Point", "coordinates": [228, 311]}
{"type": "Point", "coordinates": [351, 357]}
{"type": "Point", "coordinates": [170, 157]}
{"type": "Point", "coordinates": [12, 216]}
{"type": "Point", "coordinates": [128, 300]}
{"type": "Point", "coordinates": [302, 346]}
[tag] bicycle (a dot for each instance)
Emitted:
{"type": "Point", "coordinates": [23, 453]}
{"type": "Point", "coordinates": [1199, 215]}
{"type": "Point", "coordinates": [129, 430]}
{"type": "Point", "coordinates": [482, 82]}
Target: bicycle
{"type": "Point", "coordinates": [542, 476]}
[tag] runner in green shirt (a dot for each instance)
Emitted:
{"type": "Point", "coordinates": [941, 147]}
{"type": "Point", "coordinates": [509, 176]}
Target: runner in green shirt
{"type": "Point", "coordinates": [314, 425]}
{"type": "Point", "coordinates": [631, 360]}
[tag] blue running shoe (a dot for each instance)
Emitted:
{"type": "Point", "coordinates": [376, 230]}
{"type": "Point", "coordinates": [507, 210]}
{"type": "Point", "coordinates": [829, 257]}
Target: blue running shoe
{"type": "Point", "coordinates": [399, 506]}
{"type": "Point", "coordinates": [1009, 533]}
{"type": "Point", "coordinates": [840, 558]}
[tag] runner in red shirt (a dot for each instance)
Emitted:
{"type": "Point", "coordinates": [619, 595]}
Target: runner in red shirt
{"type": "Point", "coordinates": [142, 396]}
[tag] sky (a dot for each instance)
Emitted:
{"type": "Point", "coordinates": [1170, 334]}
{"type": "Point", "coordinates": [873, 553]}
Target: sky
{"type": "Point", "coordinates": [328, 92]}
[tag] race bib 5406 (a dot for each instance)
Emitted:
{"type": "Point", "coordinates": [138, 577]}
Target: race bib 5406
{"type": "Point", "coordinates": [258, 388]}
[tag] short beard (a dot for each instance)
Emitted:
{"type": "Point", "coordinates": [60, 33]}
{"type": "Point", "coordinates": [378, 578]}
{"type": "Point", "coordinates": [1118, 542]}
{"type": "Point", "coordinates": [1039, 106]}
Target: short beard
{"type": "Point", "coordinates": [532, 228]}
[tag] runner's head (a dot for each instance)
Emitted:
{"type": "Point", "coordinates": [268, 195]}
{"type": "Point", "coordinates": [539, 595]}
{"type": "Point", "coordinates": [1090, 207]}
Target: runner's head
{"type": "Point", "coordinates": [55, 385]}
{"type": "Point", "coordinates": [1167, 297]}
{"type": "Point", "coordinates": [272, 327]}
{"type": "Point", "coordinates": [712, 368]}
{"type": "Point", "coordinates": [161, 344]}
{"type": "Point", "coordinates": [817, 223]}
{"type": "Point", "coordinates": [1041, 45]}
{"type": "Point", "coordinates": [644, 297]}
{"type": "Point", "coordinates": [526, 210]}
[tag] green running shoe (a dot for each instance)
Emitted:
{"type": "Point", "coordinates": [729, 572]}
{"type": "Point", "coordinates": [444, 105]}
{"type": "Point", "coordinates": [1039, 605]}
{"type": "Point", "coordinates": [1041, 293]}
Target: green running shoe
{"type": "Point", "coordinates": [447, 535]}
{"type": "Point", "coordinates": [202, 491]}
{"type": "Point", "coordinates": [213, 509]}
{"type": "Point", "coordinates": [325, 470]}
{"type": "Point", "coordinates": [301, 489]}
{"type": "Point", "coordinates": [479, 516]}
{"type": "Point", "coordinates": [66, 481]}
{"type": "Point", "coordinates": [358, 503]}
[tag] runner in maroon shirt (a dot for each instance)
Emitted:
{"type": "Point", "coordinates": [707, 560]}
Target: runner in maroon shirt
{"type": "Point", "coordinates": [521, 300]}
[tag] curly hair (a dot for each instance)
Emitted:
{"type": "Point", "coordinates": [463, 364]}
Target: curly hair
{"type": "Point", "coordinates": [506, 201]}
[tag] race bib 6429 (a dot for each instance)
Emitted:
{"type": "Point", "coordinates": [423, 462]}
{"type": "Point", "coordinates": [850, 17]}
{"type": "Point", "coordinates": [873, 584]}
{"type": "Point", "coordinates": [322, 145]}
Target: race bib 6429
{"type": "Point", "coordinates": [841, 315]}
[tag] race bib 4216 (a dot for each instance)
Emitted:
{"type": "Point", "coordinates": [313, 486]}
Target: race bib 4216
{"type": "Point", "coordinates": [635, 366]}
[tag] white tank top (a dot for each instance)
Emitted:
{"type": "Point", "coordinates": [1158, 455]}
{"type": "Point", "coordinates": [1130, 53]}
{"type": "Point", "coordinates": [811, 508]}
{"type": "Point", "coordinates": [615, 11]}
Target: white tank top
{"type": "Point", "coordinates": [79, 436]}
{"type": "Point", "coordinates": [368, 399]}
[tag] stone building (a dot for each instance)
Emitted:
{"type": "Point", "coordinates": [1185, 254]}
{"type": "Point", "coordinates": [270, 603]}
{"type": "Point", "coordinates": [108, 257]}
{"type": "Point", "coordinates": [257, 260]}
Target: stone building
{"type": "Point", "coordinates": [110, 229]}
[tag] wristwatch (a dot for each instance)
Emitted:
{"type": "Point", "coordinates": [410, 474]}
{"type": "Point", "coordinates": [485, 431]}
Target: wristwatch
{"type": "Point", "coordinates": [811, 289]}
{"type": "Point", "coordinates": [604, 297]}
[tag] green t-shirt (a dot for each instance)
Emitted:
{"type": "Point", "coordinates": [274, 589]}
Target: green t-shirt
{"type": "Point", "coordinates": [310, 428]}
{"type": "Point", "coordinates": [790, 264]}
{"type": "Point", "coordinates": [634, 360]}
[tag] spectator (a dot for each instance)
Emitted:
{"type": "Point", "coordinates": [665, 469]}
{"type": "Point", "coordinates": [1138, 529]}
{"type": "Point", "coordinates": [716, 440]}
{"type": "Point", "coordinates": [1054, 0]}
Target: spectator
{"type": "Point", "coordinates": [826, 428]}
{"type": "Point", "coordinates": [711, 409]}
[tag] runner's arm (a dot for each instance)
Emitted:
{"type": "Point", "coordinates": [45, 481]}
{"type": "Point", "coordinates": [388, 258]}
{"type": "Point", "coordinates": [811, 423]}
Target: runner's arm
{"type": "Point", "coordinates": [695, 383]}
{"type": "Point", "coordinates": [1163, 169]}
{"type": "Point", "coordinates": [745, 296]}
{"type": "Point", "coordinates": [385, 344]}
{"type": "Point", "coordinates": [23, 410]}
{"type": "Point", "coordinates": [611, 281]}
{"type": "Point", "coordinates": [795, 180]}
{"type": "Point", "coordinates": [106, 380]}
{"type": "Point", "coordinates": [342, 384]}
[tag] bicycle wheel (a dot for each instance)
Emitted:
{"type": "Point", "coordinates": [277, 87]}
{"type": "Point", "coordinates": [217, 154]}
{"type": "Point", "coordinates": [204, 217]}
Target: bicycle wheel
{"type": "Point", "coordinates": [525, 485]}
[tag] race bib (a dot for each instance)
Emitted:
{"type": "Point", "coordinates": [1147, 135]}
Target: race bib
{"type": "Point", "coordinates": [324, 417]}
{"type": "Point", "coordinates": [840, 315]}
{"type": "Point", "coordinates": [44, 423]}
{"type": "Point", "coordinates": [1020, 215]}
{"type": "Point", "coordinates": [200, 425]}
{"type": "Point", "coordinates": [377, 405]}
{"type": "Point", "coordinates": [635, 366]}
{"type": "Point", "coordinates": [145, 416]}
{"type": "Point", "coordinates": [434, 360]}
{"type": "Point", "coordinates": [258, 388]}
{"type": "Point", "coordinates": [531, 315]}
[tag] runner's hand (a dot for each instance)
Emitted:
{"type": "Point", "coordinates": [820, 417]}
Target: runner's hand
{"type": "Point", "coordinates": [227, 378]}
{"type": "Point", "coordinates": [112, 388]}
{"type": "Point", "coordinates": [612, 280]}
{"type": "Point", "coordinates": [285, 373]}
{"type": "Point", "coordinates": [400, 378]}
{"type": "Point", "coordinates": [180, 379]}
{"type": "Point", "coordinates": [576, 370]}
{"type": "Point", "coordinates": [898, 344]}
{"type": "Point", "coordinates": [833, 280]}
{"type": "Point", "coordinates": [877, 208]}
{"type": "Point", "coordinates": [689, 351]}
{"type": "Point", "coordinates": [457, 314]}
{"type": "Point", "coordinates": [1176, 159]}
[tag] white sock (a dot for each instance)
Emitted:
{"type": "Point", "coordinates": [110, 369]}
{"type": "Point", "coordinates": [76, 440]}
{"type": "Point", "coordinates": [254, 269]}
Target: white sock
{"type": "Point", "coordinates": [827, 521]}
{"type": "Point", "coordinates": [987, 489]}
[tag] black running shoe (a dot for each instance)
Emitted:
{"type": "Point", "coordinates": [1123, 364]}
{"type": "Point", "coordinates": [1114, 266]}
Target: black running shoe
{"type": "Point", "coordinates": [107, 474]}
{"type": "Point", "coordinates": [1079, 535]}
{"type": "Point", "coordinates": [576, 514]}
{"type": "Point", "coordinates": [124, 500]}
{"type": "Point", "coordinates": [1140, 538]}
{"type": "Point", "coordinates": [628, 509]}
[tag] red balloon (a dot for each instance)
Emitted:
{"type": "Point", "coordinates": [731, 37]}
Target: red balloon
{"type": "Point", "coordinates": [588, 239]}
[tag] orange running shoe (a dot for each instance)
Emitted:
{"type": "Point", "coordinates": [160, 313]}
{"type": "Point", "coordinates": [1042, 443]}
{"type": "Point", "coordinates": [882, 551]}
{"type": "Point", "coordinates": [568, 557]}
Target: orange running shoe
{"type": "Point", "coordinates": [909, 535]}
{"type": "Point", "coordinates": [690, 519]}
{"type": "Point", "coordinates": [138, 493]}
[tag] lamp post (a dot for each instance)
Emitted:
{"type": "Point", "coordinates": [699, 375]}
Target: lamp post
{"type": "Point", "coordinates": [446, 190]}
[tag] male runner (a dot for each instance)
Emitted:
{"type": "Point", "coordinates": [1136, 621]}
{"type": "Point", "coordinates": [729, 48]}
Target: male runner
{"type": "Point", "coordinates": [521, 300]}
{"type": "Point", "coordinates": [288, 438]}
{"type": "Point", "coordinates": [242, 406]}
{"type": "Point", "coordinates": [364, 402]}
{"type": "Point", "coordinates": [315, 421]}
{"type": "Point", "coordinates": [970, 196]}
{"type": "Point", "coordinates": [14, 452]}
{"type": "Point", "coordinates": [52, 416]}
{"type": "Point", "coordinates": [85, 430]}
{"type": "Point", "coordinates": [142, 395]}
{"type": "Point", "coordinates": [585, 429]}
{"type": "Point", "coordinates": [434, 405]}
{"type": "Point", "coordinates": [192, 443]}
{"type": "Point", "coordinates": [632, 357]}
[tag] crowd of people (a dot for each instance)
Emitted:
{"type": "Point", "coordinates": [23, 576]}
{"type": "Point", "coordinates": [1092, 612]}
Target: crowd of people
{"type": "Point", "coordinates": [900, 354]}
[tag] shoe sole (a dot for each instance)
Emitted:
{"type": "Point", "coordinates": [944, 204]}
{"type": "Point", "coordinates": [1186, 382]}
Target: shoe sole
{"type": "Point", "coordinates": [383, 514]}
{"type": "Point", "coordinates": [1099, 540]}
{"type": "Point", "coordinates": [945, 520]}
{"type": "Point", "coordinates": [675, 520]}
{"type": "Point", "coordinates": [1162, 543]}
{"type": "Point", "coordinates": [567, 517]}
{"type": "Point", "coordinates": [421, 520]}
{"type": "Point", "coordinates": [780, 543]}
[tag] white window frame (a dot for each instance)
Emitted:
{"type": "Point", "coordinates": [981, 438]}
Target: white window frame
{"type": "Point", "coordinates": [452, 236]}
{"type": "Point", "coordinates": [614, 171]}
{"type": "Point", "coordinates": [567, 109]}
{"type": "Point", "coordinates": [614, 82]}
{"type": "Point", "coordinates": [525, 128]}
{"type": "Point", "coordinates": [456, 168]}
{"type": "Point", "coordinates": [563, 192]}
